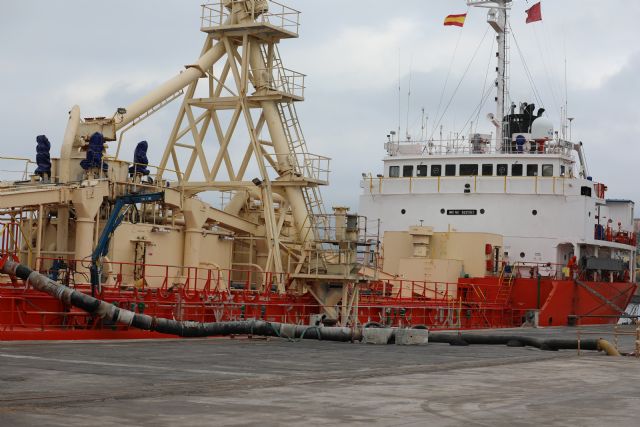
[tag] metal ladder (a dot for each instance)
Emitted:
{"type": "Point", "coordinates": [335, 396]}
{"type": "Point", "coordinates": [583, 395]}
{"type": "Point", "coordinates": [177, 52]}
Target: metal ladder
{"type": "Point", "coordinates": [504, 293]}
{"type": "Point", "coordinates": [297, 146]}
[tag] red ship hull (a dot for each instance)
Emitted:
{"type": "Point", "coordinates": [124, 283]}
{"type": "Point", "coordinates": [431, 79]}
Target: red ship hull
{"type": "Point", "coordinates": [26, 314]}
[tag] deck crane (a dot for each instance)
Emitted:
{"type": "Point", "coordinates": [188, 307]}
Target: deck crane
{"type": "Point", "coordinates": [117, 215]}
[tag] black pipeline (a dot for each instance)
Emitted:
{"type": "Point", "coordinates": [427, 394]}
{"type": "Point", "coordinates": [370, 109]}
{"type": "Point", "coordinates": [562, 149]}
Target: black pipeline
{"type": "Point", "coordinates": [115, 314]}
{"type": "Point", "coordinates": [550, 344]}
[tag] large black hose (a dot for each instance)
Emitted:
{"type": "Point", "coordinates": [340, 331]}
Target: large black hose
{"type": "Point", "coordinates": [125, 317]}
{"type": "Point", "coordinates": [552, 344]}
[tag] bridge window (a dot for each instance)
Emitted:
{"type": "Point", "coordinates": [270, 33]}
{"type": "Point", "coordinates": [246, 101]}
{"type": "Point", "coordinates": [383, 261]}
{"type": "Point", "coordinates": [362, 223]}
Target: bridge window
{"type": "Point", "coordinates": [562, 170]}
{"type": "Point", "coordinates": [436, 170]}
{"type": "Point", "coordinates": [487, 170]}
{"type": "Point", "coordinates": [407, 170]}
{"type": "Point", "coordinates": [450, 170]}
{"type": "Point", "coordinates": [516, 169]}
{"type": "Point", "coordinates": [468, 170]}
{"type": "Point", "coordinates": [503, 170]}
{"type": "Point", "coordinates": [394, 171]}
{"type": "Point", "coordinates": [421, 170]}
{"type": "Point", "coordinates": [532, 170]}
{"type": "Point", "coordinates": [547, 170]}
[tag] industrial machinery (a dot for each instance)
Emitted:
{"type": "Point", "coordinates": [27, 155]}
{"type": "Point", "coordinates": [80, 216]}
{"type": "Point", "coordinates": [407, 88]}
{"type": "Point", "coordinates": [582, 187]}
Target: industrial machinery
{"type": "Point", "coordinates": [270, 232]}
{"type": "Point", "coordinates": [117, 215]}
{"type": "Point", "coordinates": [232, 225]}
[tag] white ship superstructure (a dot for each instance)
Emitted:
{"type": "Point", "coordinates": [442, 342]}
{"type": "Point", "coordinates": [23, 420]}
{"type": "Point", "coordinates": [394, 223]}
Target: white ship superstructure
{"type": "Point", "coordinates": [531, 185]}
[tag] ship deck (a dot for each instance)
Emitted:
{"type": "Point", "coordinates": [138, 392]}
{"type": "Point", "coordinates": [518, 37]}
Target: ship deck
{"type": "Point", "coordinates": [276, 382]}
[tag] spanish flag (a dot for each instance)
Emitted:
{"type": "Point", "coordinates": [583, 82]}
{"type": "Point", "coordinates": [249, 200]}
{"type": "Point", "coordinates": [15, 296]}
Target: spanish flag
{"type": "Point", "coordinates": [457, 20]}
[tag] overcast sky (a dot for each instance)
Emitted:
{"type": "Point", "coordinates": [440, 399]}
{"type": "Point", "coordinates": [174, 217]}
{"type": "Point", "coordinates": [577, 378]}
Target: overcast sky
{"type": "Point", "coordinates": [103, 55]}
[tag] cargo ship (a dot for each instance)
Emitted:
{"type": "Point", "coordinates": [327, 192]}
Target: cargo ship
{"type": "Point", "coordinates": [148, 238]}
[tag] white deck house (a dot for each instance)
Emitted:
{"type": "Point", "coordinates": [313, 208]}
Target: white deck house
{"type": "Point", "coordinates": [538, 198]}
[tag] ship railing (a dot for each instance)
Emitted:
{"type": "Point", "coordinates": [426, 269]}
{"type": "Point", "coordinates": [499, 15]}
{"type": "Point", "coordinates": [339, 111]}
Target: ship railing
{"type": "Point", "coordinates": [409, 290]}
{"type": "Point", "coordinates": [552, 185]}
{"type": "Point", "coordinates": [162, 277]}
{"type": "Point", "coordinates": [22, 170]}
{"type": "Point", "coordinates": [280, 79]}
{"type": "Point", "coordinates": [30, 311]}
{"type": "Point", "coordinates": [533, 269]}
{"type": "Point", "coordinates": [25, 311]}
{"type": "Point", "coordinates": [608, 234]}
{"type": "Point", "coordinates": [218, 13]}
{"type": "Point", "coordinates": [16, 169]}
{"type": "Point", "coordinates": [343, 244]}
{"type": "Point", "coordinates": [22, 307]}
{"type": "Point", "coordinates": [452, 316]}
{"type": "Point", "coordinates": [623, 331]}
{"type": "Point", "coordinates": [312, 167]}
{"type": "Point", "coordinates": [457, 147]}
{"type": "Point", "coordinates": [134, 173]}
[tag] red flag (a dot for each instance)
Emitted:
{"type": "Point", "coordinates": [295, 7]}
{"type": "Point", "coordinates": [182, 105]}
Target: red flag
{"type": "Point", "coordinates": [534, 13]}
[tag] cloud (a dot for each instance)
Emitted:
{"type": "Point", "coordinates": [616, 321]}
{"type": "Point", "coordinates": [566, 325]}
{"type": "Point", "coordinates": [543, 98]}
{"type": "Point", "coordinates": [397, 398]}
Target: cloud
{"type": "Point", "coordinates": [352, 52]}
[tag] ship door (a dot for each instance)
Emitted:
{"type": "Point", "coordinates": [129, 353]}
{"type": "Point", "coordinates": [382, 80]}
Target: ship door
{"type": "Point", "coordinates": [564, 253]}
{"type": "Point", "coordinates": [140, 259]}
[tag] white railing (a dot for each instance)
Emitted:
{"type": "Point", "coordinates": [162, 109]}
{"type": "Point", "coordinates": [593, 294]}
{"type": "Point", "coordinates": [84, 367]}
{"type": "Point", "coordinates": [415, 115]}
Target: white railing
{"type": "Point", "coordinates": [463, 147]}
{"type": "Point", "coordinates": [218, 13]}
{"type": "Point", "coordinates": [314, 166]}
{"type": "Point", "coordinates": [16, 168]}
{"type": "Point", "coordinates": [310, 166]}
{"type": "Point", "coordinates": [470, 184]}
{"type": "Point", "coordinates": [281, 79]}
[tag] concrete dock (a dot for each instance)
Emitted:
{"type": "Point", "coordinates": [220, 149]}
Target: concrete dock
{"type": "Point", "coordinates": [242, 381]}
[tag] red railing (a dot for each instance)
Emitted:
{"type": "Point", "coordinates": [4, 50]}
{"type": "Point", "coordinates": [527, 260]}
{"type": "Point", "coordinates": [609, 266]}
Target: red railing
{"type": "Point", "coordinates": [161, 276]}
{"type": "Point", "coordinates": [610, 235]}
{"type": "Point", "coordinates": [210, 294]}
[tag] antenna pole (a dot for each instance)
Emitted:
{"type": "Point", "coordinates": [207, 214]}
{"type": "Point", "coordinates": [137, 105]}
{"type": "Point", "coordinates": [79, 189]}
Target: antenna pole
{"type": "Point", "coordinates": [566, 94]}
{"type": "Point", "coordinates": [497, 18]}
{"type": "Point", "coordinates": [399, 98]}
{"type": "Point", "coordinates": [406, 129]}
{"type": "Point", "coordinates": [501, 86]}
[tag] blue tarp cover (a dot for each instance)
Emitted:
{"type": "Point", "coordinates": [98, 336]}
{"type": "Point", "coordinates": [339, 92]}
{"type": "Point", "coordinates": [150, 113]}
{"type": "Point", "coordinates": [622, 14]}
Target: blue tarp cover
{"type": "Point", "coordinates": [140, 159]}
{"type": "Point", "coordinates": [43, 158]}
{"type": "Point", "coordinates": [94, 153]}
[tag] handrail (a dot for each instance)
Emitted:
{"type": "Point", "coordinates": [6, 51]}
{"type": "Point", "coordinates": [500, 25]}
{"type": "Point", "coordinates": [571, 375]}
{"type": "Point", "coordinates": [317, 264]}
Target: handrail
{"type": "Point", "coordinates": [187, 279]}
{"type": "Point", "coordinates": [24, 172]}
{"type": "Point", "coordinates": [447, 147]}
{"type": "Point", "coordinates": [216, 13]}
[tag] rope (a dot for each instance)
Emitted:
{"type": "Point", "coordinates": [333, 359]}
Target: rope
{"type": "Point", "coordinates": [460, 82]}
{"type": "Point", "coordinates": [484, 95]}
{"type": "Point", "coordinates": [309, 328]}
{"type": "Point", "coordinates": [536, 93]}
{"type": "Point", "coordinates": [453, 56]}
{"type": "Point", "coordinates": [552, 89]}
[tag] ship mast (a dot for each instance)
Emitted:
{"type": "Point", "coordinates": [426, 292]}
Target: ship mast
{"type": "Point", "coordinates": [497, 18]}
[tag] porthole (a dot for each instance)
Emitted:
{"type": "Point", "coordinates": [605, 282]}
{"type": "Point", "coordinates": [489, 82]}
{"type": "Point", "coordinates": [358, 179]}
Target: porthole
{"type": "Point", "coordinates": [522, 254]}
{"type": "Point", "coordinates": [534, 212]}
{"type": "Point", "coordinates": [441, 211]}
{"type": "Point", "coordinates": [403, 211]}
{"type": "Point", "coordinates": [482, 211]}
